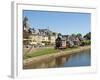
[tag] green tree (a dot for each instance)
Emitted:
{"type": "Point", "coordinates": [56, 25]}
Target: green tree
{"type": "Point", "coordinates": [88, 36]}
{"type": "Point", "coordinates": [79, 35]}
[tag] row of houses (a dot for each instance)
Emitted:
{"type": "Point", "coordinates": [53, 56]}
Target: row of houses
{"type": "Point", "coordinates": [64, 41]}
{"type": "Point", "coordinates": [43, 37]}
{"type": "Point", "coordinates": [32, 36]}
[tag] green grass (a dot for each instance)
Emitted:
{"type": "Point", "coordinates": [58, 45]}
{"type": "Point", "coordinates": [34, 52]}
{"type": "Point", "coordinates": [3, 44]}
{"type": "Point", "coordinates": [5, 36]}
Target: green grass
{"type": "Point", "coordinates": [40, 52]}
{"type": "Point", "coordinates": [44, 51]}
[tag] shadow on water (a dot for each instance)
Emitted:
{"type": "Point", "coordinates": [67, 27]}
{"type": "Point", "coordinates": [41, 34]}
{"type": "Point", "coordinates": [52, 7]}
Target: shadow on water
{"type": "Point", "coordinates": [73, 60]}
{"type": "Point", "coordinates": [80, 59]}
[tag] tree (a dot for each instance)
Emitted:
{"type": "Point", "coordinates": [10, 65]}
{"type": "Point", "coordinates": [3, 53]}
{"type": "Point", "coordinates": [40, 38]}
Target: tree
{"type": "Point", "coordinates": [54, 33]}
{"type": "Point", "coordinates": [26, 32]}
{"type": "Point", "coordinates": [74, 35]}
{"type": "Point", "coordinates": [25, 22]}
{"type": "Point", "coordinates": [59, 35]}
{"type": "Point", "coordinates": [58, 43]}
{"type": "Point", "coordinates": [88, 36]}
{"type": "Point", "coordinates": [79, 36]}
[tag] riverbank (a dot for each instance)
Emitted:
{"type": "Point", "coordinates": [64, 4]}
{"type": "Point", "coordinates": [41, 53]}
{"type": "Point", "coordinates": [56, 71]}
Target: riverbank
{"type": "Point", "coordinates": [30, 62]}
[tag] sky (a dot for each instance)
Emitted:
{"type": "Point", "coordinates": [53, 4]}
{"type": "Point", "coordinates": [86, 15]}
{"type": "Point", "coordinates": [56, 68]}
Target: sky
{"type": "Point", "coordinates": [60, 22]}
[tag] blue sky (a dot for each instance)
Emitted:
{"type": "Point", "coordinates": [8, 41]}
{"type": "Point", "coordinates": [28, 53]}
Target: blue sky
{"type": "Point", "coordinates": [62, 22]}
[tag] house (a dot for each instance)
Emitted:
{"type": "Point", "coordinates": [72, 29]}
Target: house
{"type": "Point", "coordinates": [40, 36]}
{"type": "Point", "coordinates": [53, 37]}
{"type": "Point", "coordinates": [52, 40]}
{"type": "Point", "coordinates": [63, 43]}
{"type": "Point", "coordinates": [60, 42]}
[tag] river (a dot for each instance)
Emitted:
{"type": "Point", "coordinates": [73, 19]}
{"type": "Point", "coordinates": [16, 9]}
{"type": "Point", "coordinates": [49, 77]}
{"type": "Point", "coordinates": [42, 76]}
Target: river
{"type": "Point", "coordinates": [79, 59]}
{"type": "Point", "coordinates": [82, 58]}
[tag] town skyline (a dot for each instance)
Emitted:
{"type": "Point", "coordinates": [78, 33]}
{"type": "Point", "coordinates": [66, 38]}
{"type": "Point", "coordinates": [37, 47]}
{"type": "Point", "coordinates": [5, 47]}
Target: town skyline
{"type": "Point", "coordinates": [60, 22]}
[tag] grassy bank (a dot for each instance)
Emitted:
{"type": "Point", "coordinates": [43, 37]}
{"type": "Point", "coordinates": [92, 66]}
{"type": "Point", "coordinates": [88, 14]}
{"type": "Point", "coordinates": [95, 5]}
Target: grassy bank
{"type": "Point", "coordinates": [45, 51]}
{"type": "Point", "coordinates": [40, 52]}
{"type": "Point", "coordinates": [37, 59]}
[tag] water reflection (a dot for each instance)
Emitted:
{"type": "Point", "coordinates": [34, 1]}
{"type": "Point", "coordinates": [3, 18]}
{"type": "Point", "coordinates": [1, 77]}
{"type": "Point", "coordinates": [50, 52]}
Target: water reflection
{"type": "Point", "coordinates": [78, 59]}
{"type": "Point", "coordinates": [62, 60]}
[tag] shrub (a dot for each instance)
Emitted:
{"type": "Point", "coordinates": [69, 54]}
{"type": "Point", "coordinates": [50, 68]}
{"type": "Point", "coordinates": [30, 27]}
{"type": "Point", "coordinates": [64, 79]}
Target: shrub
{"type": "Point", "coordinates": [85, 42]}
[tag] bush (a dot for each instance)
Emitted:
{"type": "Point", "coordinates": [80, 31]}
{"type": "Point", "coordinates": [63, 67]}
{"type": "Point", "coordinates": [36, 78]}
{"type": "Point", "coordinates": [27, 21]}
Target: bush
{"type": "Point", "coordinates": [85, 42]}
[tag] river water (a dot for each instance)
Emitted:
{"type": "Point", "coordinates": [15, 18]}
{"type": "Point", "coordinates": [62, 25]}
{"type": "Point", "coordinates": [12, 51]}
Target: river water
{"type": "Point", "coordinates": [79, 59]}
{"type": "Point", "coordinates": [82, 58]}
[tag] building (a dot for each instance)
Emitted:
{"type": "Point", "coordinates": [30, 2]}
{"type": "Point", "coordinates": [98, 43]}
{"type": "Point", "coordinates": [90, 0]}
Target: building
{"type": "Point", "coordinates": [41, 36]}
{"type": "Point", "coordinates": [32, 36]}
